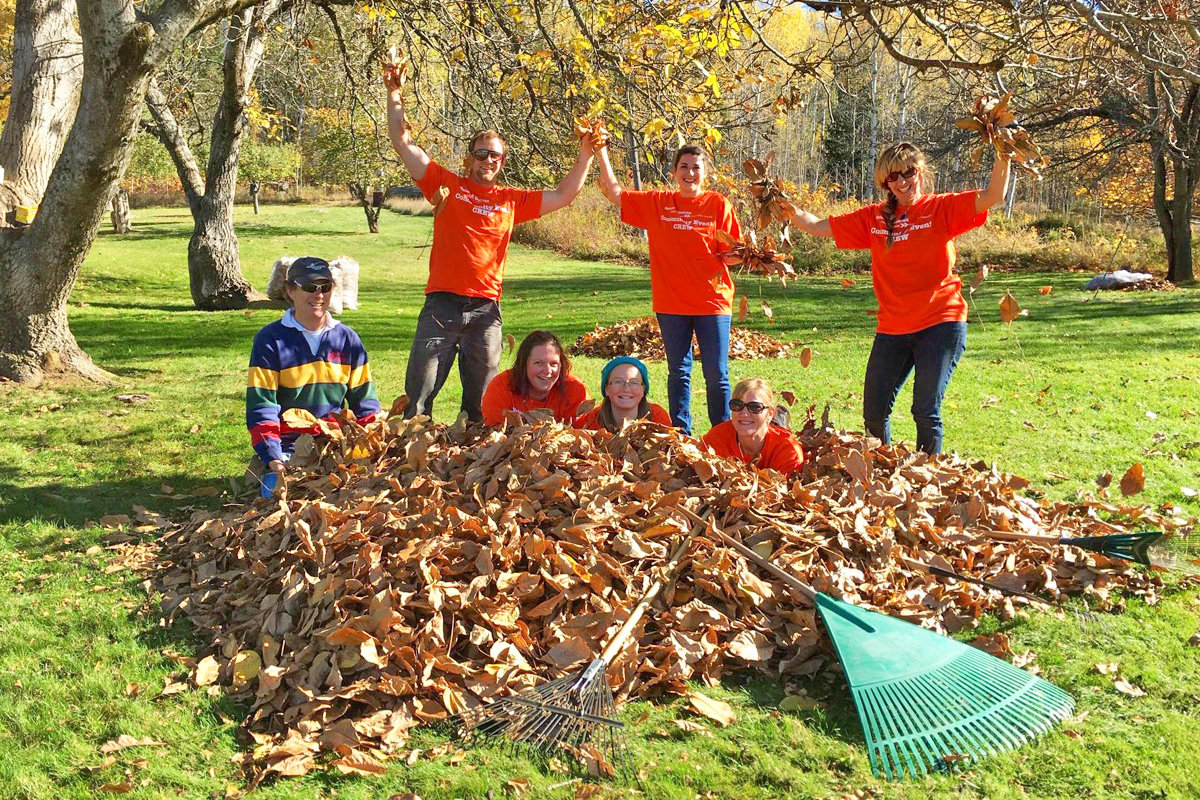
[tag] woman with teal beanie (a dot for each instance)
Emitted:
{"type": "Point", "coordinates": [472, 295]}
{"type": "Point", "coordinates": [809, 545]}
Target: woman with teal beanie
{"type": "Point", "coordinates": [624, 384]}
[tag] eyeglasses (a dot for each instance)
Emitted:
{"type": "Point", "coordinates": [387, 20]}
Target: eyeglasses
{"type": "Point", "coordinates": [484, 154]}
{"type": "Point", "coordinates": [632, 384]}
{"type": "Point", "coordinates": [753, 407]}
{"type": "Point", "coordinates": [908, 175]}
{"type": "Point", "coordinates": [313, 288]}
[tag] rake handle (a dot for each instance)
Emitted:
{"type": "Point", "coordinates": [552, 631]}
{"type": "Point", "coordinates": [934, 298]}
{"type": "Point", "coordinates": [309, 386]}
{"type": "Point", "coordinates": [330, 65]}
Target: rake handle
{"type": "Point", "coordinates": [770, 566]}
{"type": "Point", "coordinates": [1012, 536]}
{"type": "Point", "coordinates": [622, 635]}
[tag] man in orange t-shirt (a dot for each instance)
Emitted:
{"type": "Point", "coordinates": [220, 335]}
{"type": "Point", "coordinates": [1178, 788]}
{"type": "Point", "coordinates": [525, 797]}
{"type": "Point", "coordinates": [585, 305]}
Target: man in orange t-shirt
{"type": "Point", "coordinates": [473, 223]}
{"type": "Point", "coordinates": [922, 315]}
{"type": "Point", "coordinates": [690, 285]}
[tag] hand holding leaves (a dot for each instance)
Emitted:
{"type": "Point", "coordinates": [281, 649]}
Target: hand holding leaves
{"type": "Point", "coordinates": [395, 72]}
{"type": "Point", "coordinates": [993, 120]}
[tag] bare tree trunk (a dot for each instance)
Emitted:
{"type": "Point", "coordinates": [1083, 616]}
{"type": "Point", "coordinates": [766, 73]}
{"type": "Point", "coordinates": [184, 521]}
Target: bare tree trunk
{"type": "Point", "coordinates": [41, 262]}
{"type": "Point", "coordinates": [47, 70]}
{"type": "Point", "coordinates": [214, 266]}
{"type": "Point", "coordinates": [120, 212]}
{"type": "Point", "coordinates": [360, 193]}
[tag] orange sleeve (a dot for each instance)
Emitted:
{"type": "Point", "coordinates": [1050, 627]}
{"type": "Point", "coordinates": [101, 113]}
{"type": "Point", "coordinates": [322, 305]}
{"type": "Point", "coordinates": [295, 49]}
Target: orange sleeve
{"type": "Point", "coordinates": [497, 398]}
{"type": "Point", "coordinates": [659, 414]}
{"type": "Point", "coordinates": [435, 176]}
{"type": "Point", "coordinates": [960, 214]}
{"type": "Point", "coordinates": [782, 452]}
{"type": "Point", "coordinates": [590, 421]}
{"type": "Point", "coordinates": [527, 205]}
{"type": "Point", "coordinates": [722, 440]}
{"type": "Point", "coordinates": [574, 392]}
{"type": "Point", "coordinates": [637, 208]}
{"type": "Point", "coordinates": [853, 231]}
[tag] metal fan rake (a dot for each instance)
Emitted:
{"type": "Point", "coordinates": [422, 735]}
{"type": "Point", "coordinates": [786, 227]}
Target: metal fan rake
{"type": "Point", "coordinates": [574, 713]}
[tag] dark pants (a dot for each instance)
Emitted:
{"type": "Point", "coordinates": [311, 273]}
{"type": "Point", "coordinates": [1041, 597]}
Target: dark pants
{"type": "Point", "coordinates": [933, 353]}
{"type": "Point", "coordinates": [712, 334]}
{"type": "Point", "coordinates": [451, 325]}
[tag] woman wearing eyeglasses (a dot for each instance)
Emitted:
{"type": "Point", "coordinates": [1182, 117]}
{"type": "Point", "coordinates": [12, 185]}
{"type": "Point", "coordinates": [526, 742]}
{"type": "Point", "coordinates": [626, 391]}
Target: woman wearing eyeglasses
{"type": "Point", "coordinates": [624, 384]}
{"type": "Point", "coordinates": [922, 314]}
{"type": "Point", "coordinates": [540, 378]}
{"type": "Point", "coordinates": [749, 435]}
{"type": "Point", "coordinates": [691, 287]}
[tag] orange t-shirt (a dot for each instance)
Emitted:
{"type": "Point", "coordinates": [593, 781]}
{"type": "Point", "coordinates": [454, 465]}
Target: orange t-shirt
{"type": "Point", "coordinates": [780, 451]}
{"type": "Point", "coordinates": [471, 234]}
{"type": "Point", "coordinates": [564, 399]}
{"type": "Point", "coordinates": [591, 420]}
{"type": "Point", "coordinates": [915, 283]}
{"type": "Point", "coordinates": [686, 277]}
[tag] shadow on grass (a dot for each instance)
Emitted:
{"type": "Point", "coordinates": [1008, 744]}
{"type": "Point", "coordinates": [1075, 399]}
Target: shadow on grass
{"type": "Point", "coordinates": [76, 506]}
{"type": "Point", "coordinates": [181, 230]}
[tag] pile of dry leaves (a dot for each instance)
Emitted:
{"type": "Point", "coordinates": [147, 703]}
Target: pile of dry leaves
{"type": "Point", "coordinates": [641, 338]}
{"type": "Point", "coordinates": [416, 570]}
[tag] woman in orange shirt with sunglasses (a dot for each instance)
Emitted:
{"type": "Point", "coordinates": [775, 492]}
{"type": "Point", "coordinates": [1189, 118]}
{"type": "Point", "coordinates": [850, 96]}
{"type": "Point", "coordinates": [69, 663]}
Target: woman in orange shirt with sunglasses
{"type": "Point", "coordinates": [749, 435]}
{"type": "Point", "coordinates": [922, 314]}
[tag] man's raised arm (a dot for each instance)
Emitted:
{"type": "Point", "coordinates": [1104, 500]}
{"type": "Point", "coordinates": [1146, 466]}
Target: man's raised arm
{"type": "Point", "coordinates": [572, 183]}
{"type": "Point", "coordinates": [415, 159]}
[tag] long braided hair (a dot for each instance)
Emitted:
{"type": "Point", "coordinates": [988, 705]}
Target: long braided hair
{"type": "Point", "coordinates": [897, 158]}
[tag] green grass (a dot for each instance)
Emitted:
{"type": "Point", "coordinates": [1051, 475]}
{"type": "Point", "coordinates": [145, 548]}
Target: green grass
{"type": "Point", "coordinates": [1059, 397]}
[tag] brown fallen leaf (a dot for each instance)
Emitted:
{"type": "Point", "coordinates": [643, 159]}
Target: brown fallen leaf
{"type": "Point", "coordinates": [124, 787]}
{"type": "Point", "coordinates": [718, 711]}
{"type": "Point", "coordinates": [516, 788]}
{"type": "Point", "coordinates": [766, 309]}
{"type": "Point", "coordinates": [788, 397]}
{"type": "Point", "coordinates": [1010, 309]}
{"type": "Point", "coordinates": [847, 283]}
{"type": "Point", "coordinates": [1045, 290]}
{"type": "Point", "coordinates": [206, 672]}
{"type": "Point", "coordinates": [114, 520]}
{"type": "Point", "coordinates": [1108, 668]}
{"type": "Point", "coordinates": [125, 741]}
{"type": "Point", "coordinates": [743, 308]}
{"type": "Point", "coordinates": [105, 764]}
{"type": "Point", "coordinates": [1126, 688]}
{"type": "Point", "coordinates": [799, 702]}
{"type": "Point", "coordinates": [1133, 481]}
{"type": "Point", "coordinates": [356, 762]}
{"type": "Point", "coordinates": [688, 726]}
{"type": "Point", "coordinates": [806, 357]}
{"type": "Point", "coordinates": [980, 276]}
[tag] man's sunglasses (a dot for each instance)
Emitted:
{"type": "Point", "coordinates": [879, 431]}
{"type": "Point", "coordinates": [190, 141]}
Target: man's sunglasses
{"type": "Point", "coordinates": [484, 154]}
{"type": "Point", "coordinates": [313, 288]}
{"type": "Point", "coordinates": [908, 175]}
{"type": "Point", "coordinates": [753, 407]}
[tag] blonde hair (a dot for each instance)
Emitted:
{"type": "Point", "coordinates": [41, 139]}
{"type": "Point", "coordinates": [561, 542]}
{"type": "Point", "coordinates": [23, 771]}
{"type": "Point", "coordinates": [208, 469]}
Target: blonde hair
{"type": "Point", "coordinates": [748, 385]}
{"type": "Point", "coordinates": [897, 158]}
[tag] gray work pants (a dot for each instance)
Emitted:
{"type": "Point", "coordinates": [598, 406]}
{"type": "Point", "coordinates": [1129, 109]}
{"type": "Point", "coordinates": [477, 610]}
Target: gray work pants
{"type": "Point", "coordinates": [452, 325]}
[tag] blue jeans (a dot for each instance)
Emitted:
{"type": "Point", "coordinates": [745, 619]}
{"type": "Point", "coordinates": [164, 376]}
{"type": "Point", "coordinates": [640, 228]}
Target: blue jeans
{"type": "Point", "coordinates": [933, 353]}
{"type": "Point", "coordinates": [712, 334]}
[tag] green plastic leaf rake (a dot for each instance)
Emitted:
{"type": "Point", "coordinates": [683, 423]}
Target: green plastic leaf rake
{"type": "Point", "coordinates": [1150, 549]}
{"type": "Point", "coordinates": [925, 701]}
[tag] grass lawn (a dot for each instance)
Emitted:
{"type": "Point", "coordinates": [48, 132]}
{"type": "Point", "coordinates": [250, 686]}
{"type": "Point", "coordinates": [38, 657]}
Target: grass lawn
{"type": "Point", "coordinates": [1084, 385]}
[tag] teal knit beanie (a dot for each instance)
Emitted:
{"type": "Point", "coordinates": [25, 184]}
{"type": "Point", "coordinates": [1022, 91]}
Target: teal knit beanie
{"type": "Point", "coordinates": [616, 362]}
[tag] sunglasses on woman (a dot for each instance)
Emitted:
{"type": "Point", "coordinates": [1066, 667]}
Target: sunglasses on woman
{"type": "Point", "coordinates": [907, 174]}
{"type": "Point", "coordinates": [313, 288]}
{"type": "Point", "coordinates": [483, 154]}
{"type": "Point", "coordinates": [753, 407]}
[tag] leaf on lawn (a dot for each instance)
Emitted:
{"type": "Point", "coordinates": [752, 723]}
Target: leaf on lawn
{"type": "Point", "coordinates": [105, 764]}
{"type": "Point", "coordinates": [1108, 668]}
{"type": "Point", "coordinates": [1127, 688]}
{"type": "Point", "coordinates": [516, 788]}
{"type": "Point", "coordinates": [356, 762]}
{"type": "Point", "coordinates": [207, 670]}
{"type": "Point", "coordinates": [125, 741]}
{"type": "Point", "coordinates": [1045, 290]}
{"type": "Point", "coordinates": [766, 309]}
{"type": "Point", "coordinates": [1105, 480]}
{"type": "Point", "coordinates": [124, 787]}
{"type": "Point", "coordinates": [689, 726]}
{"type": "Point", "coordinates": [716, 710]}
{"type": "Point", "coordinates": [848, 283]}
{"type": "Point", "coordinates": [743, 309]}
{"type": "Point", "coordinates": [981, 275]}
{"type": "Point", "coordinates": [1133, 481]}
{"type": "Point", "coordinates": [788, 397]}
{"type": "Point", "coordinates": [799, 702]}
{"type": "Point", "coordinates": [806, 357]}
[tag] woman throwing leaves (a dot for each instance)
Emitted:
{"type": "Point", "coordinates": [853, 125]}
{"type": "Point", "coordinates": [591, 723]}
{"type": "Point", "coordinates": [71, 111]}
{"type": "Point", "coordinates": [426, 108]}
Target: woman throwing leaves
{"type": "Point", "coordinates": [691, 287]}
{"type": "Point", "coordinates": [922, 314]}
